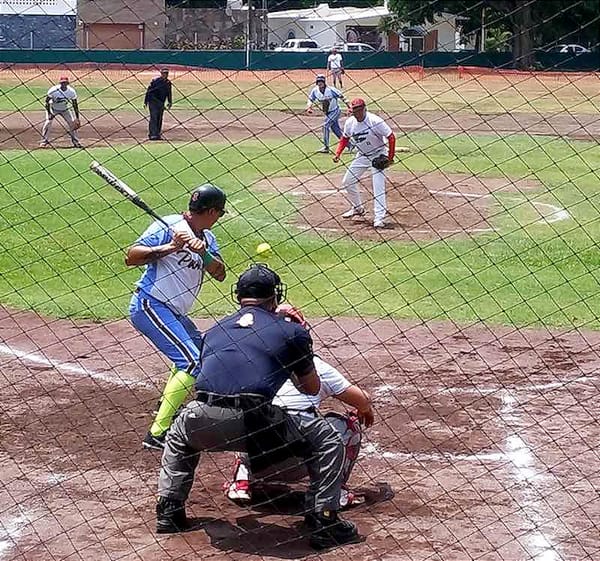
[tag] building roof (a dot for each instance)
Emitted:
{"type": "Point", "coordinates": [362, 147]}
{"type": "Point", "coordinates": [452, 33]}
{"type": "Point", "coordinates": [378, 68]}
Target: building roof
{"type": "Point", "coordinates": [324, 13]}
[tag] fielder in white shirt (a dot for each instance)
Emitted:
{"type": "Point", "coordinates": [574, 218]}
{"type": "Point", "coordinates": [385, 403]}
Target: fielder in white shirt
{"type": "Point", "coordinates": [297, 405]}
{"type": "Point", "coordinates": [335, 65]}
{"type": "Point", "coordinates": [58, 101]}
{"type": "Point", "coordinates": [371, 137]}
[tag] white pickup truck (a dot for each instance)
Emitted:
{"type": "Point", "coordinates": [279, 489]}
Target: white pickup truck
{"type": "Point", "coordinates": [299, 46]}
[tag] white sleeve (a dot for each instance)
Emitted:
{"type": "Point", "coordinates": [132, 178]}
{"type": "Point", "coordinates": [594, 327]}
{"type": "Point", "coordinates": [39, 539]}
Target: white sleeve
{"type": "Point", "coordinates": [383, 128]}
{"type": "Point", "coordinates": [348, 128]}
{"type": "Point", "coordinates": [332, 381]}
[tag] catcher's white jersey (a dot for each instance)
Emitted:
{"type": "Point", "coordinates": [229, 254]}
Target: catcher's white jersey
{"type": "Point", "coordinates": [332, 383]}
{"type": "Point", "coordinates": [175, 279]}
{"type": "Point", "coordinates": [60, 99]}
{"type": "Point", "coordinates": [368, 136]}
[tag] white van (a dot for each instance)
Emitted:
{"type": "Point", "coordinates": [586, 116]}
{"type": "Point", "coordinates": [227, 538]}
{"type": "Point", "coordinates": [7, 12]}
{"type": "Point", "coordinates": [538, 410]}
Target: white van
{"type": "Point", "coordinates": [299, 46]}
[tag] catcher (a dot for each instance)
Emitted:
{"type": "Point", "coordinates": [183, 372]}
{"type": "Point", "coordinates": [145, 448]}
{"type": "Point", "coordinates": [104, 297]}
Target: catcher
{"type": "Point", "coordinates": [300, 406]}
{"type": "Point", "coordinates": [375, 145]}
{"type": "Point", "coordinates": [57, 104]}
{"type": "Point", "coordinates": [328, 98]}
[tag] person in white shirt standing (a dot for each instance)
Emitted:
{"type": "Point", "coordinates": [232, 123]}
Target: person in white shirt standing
{"type": "Point", "coordinates": [328, 98]}
{"type": "Point", "coordinates": [58, 100]}
{"type": "Point", "coordinates": [371, 137]}
{"type": "Point", "coordinates": [298, 406]}
{"type": "Point", "coordinates": [335, 65]}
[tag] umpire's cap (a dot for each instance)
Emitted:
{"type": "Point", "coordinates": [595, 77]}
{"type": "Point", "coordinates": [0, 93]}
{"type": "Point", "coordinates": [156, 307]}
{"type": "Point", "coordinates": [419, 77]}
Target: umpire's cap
{"type": "Point", "coordinates": [258, 281]}
{"type": "Point", "coordinates": [207, 196]}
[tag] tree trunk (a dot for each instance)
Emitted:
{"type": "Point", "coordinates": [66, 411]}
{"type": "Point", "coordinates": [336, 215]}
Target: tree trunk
{"type": "Point", "coordinates": [523, 34]}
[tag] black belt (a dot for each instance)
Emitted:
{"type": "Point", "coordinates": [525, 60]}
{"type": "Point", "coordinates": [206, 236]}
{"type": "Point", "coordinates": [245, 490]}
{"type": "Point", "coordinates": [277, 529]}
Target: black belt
{"type": "Point", "coordinates": [242, 401]}
{"type": "Point", "coordinates": [312, 410]}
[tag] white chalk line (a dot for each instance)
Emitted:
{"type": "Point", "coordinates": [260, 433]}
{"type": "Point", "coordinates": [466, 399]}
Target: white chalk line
{"type": "Point", "coordinates": [556, 214]}
{"type": "Point", "coordinates": [69, 368]}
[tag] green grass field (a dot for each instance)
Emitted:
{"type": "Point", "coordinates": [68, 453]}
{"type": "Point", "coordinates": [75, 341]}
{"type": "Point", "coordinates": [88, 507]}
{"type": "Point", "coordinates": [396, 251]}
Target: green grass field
{"type": "Point", "coordinates": [388, 93]}
{"type": "Point", "coordinates": [65, 232]}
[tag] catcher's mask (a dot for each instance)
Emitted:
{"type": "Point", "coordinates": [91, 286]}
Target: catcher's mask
{"type": "Point", "coordinates": [291, 313]}
{"type": "Point", "coordinates": [258, 281]}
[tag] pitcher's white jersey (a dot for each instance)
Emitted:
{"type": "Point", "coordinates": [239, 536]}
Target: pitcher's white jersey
{"type": "Point", "coordinates": [175, 279]}
{"type": "Point", "coordinates": [60, 99]}
{"type": "Point", "coordinates": [332, 383]}
{"type": "Point", "coordinates": [368, 136]}
{"type": "Point", "coordinates": [329, 94]}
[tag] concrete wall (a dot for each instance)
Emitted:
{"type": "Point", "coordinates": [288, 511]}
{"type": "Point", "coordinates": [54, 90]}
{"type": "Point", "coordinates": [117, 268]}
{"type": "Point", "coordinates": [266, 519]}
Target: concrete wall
{"type": "Point", "coordinates": [149, 13]}
{"type": "Point", "coordinates": [37, 32]}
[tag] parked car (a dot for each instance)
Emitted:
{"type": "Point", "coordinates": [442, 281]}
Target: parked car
{"type": "Point", "coordinates": [352, 48]}
{"type": "Point", "coordinates": [299, 46]}
{"type": "Point", "coordinates": [571, 49]}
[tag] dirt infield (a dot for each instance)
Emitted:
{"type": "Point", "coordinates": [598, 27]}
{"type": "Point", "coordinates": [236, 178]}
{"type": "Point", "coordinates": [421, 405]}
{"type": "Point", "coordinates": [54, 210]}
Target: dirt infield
{"type": "Point", "coordinates": [427, 205]}
{"type": "Point", "coordinates": [23, 130]}
{"type": "Point", "coordinates": [484, 447]}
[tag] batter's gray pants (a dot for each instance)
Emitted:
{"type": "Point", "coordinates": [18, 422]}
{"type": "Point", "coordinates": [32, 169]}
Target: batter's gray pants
{"type": "Point", "coordinates": [203, 428]}
{"type": "Point", "coordinates": [66, 115]}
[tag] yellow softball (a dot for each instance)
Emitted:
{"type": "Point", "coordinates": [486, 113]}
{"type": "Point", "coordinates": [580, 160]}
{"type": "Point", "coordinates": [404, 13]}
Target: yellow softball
{"type": "Point", "coordinates": [263, 250]}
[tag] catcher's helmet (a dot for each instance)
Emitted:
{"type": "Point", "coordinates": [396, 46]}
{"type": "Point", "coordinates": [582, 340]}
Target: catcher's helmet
{"type": "Point", "coordinates": [207, 196]}
{"type": "Point", "coordinates": [320, 78]}
{"type": "Point", "coordinates": [258, 281]}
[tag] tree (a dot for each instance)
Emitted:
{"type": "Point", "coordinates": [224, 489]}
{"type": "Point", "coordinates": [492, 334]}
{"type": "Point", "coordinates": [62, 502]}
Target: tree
{"type": "Point", "coordinates": [515, 14]}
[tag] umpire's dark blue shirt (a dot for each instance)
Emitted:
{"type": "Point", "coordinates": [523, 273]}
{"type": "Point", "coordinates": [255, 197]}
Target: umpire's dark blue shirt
{"type": "Point", "coordinates": [159, 90]}
{"type": "Point", "coordinates": [253, 351]}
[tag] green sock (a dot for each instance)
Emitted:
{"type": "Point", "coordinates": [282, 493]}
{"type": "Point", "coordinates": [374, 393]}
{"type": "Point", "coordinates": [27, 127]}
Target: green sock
{"type": "Point", "coordinates": [177, 389]}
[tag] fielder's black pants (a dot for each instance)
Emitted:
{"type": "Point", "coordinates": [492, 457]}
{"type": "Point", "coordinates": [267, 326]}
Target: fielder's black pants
{"type": "Point", "coordinates": [157, 110]}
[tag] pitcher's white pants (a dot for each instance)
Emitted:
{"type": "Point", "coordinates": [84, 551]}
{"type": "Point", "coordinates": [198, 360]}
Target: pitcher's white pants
{"type": "Point", "coordinates": [357, 168]}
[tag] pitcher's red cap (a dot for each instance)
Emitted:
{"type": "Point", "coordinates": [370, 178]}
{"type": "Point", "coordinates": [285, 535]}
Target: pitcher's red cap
{"type": "Point", "coordinates": [357, 102]}
{"type": "Point", "coordinates": [64, 79]}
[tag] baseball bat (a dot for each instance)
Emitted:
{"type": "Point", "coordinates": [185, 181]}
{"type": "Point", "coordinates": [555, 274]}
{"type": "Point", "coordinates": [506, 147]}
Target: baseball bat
{"type": "Point", "coordinates": [124, 189]}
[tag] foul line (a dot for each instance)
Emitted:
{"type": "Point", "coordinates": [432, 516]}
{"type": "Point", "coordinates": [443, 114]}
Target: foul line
{"type": "Point", "coordinates": [73, 369]}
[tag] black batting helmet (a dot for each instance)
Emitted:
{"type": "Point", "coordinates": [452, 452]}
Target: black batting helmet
{"type": "Point", "coordinates": [207, 196]}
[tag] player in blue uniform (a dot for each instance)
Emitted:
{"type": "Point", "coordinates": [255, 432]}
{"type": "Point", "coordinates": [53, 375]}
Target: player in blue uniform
{"type": "Point", "coordinates": [176, 259]}
{"type": "Point", "coordinates": [328, 98]}
{"type": "Point", "coordinates": [246, 358]}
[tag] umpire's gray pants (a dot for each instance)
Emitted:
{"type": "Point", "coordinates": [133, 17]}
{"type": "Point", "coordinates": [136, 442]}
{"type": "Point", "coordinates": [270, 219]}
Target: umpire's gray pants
{"type": "Point", "coordinates": [201, 427]}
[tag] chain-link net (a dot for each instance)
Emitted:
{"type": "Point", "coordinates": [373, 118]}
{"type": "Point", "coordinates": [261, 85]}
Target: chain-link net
{"type": "Point", "coordinates": [451, 297]}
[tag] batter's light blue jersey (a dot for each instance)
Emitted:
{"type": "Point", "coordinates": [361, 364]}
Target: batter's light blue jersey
{"type": "Point", "coordinates": [177, 278]}
{"type": "Point", "coordinates": [330, 94]}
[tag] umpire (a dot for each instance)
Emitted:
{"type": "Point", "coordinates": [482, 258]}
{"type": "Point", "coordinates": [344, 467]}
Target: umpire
{"type": "Point", "coordinates": [246, 358]}
{"type": "Point", "coordinates": [159, 91]}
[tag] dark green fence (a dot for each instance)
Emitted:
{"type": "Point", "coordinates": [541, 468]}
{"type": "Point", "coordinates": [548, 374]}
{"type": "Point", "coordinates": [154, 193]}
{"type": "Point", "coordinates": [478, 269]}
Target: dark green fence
{"type": "Point", "coordinates": [271, 60]}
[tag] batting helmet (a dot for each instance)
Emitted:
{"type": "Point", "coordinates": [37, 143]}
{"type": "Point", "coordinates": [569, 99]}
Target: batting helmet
{"type": "Point", "coordinates": [291, 313]}
{"type": "Point", "coordinates": [258, 281]}
{"type": "Point", "coordinates": [320, 78]}
{"type": "Point", "coordinates": [207, 196]}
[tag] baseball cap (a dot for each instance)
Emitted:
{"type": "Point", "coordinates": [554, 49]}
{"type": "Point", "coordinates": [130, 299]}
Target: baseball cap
{"type": "Point", "coordinates": [258, 281]}
{"type": "Point", "coordinates": [164, 70]}
{"type": "Point", "coordinates": [64, 79]}
{"type": "Point", "coordinates": [357, 102]}
{"type": "Point", "coordinates": [320, 78]}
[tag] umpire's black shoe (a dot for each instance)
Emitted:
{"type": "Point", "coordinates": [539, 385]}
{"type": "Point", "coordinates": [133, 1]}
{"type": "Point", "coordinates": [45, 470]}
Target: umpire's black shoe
{"type": "Point", "coordinates": [152, 442]}
{"type": "Point", "coordinates": [329, 530]}
{"type": "Point", "coordinates": [170, 516]}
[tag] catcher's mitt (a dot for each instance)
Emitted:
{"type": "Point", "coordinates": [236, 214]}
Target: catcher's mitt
{"type": "Point", "coordinates": [76, 124]}
{"type": "Point", "coordinates": [326, 103]}
{"type": "Point", "coordinates": [380, 162]}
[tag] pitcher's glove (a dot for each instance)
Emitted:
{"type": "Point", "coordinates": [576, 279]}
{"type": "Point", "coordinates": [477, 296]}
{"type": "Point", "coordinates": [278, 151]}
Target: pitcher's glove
{"type": "Point", "coordinates": [325, 104]}
{"type": "Point", "coordinates": [380, 162]}
{"type": "Point", "coordinates": [76, 124]}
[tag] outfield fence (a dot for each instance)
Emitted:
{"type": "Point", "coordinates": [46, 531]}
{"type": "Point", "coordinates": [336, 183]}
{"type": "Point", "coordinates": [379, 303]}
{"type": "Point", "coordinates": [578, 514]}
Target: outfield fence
{"type": "Point", "coordinates": [461, 301]}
